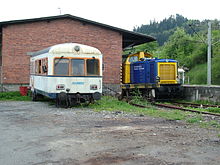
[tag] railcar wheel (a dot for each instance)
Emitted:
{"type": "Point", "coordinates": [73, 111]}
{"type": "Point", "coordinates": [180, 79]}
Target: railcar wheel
{"type": "Point", "coordinates": [33, 96]}
{"type": "Point", "coordinates": [57, 102]}
{"type": "Point", "coordinates": [91, 101]}
{"type": "Point", "coordinates": [62, 100]}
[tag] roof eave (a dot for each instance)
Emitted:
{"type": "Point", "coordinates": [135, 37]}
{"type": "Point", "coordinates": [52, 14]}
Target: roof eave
{"type": "Point", "coordinates": [127, 35]}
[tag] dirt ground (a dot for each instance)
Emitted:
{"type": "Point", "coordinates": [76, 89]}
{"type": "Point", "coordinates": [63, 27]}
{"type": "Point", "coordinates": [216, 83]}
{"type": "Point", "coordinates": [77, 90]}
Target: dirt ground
{"type": "Point", "coordinates": [36, 133]}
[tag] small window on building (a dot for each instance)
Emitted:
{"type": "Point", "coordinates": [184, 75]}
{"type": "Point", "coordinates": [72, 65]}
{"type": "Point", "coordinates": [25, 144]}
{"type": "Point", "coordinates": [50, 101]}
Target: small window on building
{"type": "Point", "coordinates": [61, 66]}
{"type": "Point", "coordinates": [78, 67]}
{"type": "Point", "coordinates": [92, 66]}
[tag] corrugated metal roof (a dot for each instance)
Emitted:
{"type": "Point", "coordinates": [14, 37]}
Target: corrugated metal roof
{"type": "Point", "coordinates": [129, 37]}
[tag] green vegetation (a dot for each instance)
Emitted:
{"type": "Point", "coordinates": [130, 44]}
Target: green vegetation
{"type": "Point", "coordinates": [205, 102]}
{"type": "Point", "coordinates": [209, 124]}
{"type": "Point", "coordinates": [13, 96]}
{"type": "Point", "coordinates": [185, 40]}
{"type": "Point", "coordinates": [210, 109]}
{"type": "Point", "coordinates": [162, 30]}
{"type": "Point", "coordinates": [195, 119]}
{"type": "Point", "coordinates": [108, 103]}
{"type": "Point", "coordinates": [213, 110]}
{"type": "Point", "coordinates": [197, 74]}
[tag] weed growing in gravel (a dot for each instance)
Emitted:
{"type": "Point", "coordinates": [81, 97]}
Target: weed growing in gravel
{"type": "Point", "coordinates": [214, 110]}
{"type": "Point", "coordinates": [13, 96]}
{"type": "Point", "coordinates": [108, 103]}
{"type": "Point", "coordinates": [195, 119]}
{"type": "Point", "coordinates": [212, 123]}
{"type": "Point", "coordinates": [206, 102]}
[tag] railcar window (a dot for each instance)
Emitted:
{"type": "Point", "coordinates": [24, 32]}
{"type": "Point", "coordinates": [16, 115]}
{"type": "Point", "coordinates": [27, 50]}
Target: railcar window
{"type": "Point", "coordinates": [32, 68]}
{"type": "Point", "coordinates": [61, 67]}
{"type": "Point", "coordinates": [44, 65]}
{"type": "Point", "coordinates": [92, 66]}
{"type": "Point", "coordinates": [39, 66]}
{"type": "Point", "coordinates": [78, 67]}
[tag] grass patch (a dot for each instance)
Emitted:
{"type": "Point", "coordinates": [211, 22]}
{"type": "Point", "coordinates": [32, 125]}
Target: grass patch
{"type": "Point", "coordinates": [210, 109]}
{"type": "Point", "coordinates": [206, 102]}
{"type": "Point", "coordinates": [212, 123]}
{"type": "Point", "coordinates": [13, 96]}
{"type": "Point", "coordinates": [214, 110]}
{"type": "Point", "coordinates": [108, 103]}
{"type": "Point", "coordinates": [195, 119]}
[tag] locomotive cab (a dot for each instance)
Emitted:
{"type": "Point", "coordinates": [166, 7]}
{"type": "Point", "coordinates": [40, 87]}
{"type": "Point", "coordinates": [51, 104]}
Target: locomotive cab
{"type": "Point", "coordinates": [153, 77]}
{"type": "Point", "coordinates": [127, 60]}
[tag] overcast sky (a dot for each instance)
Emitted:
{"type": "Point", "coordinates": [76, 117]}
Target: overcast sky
{"type": "Point", "coordinates": [119, 13]}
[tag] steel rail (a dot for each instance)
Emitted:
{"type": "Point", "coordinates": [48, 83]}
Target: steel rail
{"type": "Point", "coordinates": [175, 107]}
{"type": "Point", "coordinates": [184, 109]}
{"type": "Point", "coordinates": [197, 105]}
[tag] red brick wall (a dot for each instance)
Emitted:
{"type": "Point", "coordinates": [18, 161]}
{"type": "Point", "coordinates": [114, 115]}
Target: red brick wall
{"type": "Point", "coordinates": [19, 39]}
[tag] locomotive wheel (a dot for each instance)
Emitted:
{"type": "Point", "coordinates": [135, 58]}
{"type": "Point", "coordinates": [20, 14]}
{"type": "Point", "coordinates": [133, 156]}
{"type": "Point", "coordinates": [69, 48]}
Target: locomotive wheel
{"type": "Point", "coordinates": [152, 95]}
{"type": "Point", "coordinates": [122, 95]}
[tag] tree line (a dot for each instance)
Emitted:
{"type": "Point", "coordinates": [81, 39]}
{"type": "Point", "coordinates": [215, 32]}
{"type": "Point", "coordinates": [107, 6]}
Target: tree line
{"type": "Point", "coordinates": [186, 41]}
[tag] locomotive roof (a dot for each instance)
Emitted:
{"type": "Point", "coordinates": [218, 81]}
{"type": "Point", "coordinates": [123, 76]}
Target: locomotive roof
{"type": "Point", "coordinates": [73, 48]}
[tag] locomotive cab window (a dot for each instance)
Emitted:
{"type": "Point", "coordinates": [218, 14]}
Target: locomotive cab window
{"type": "Point", "coordinates": [78, 67]}
{"type": "Point", "coordinates": [133, 59]}
{"type": "Point", "coordinates": [61, 66]}
{"type": "Point", "coordinates": [92, 66]}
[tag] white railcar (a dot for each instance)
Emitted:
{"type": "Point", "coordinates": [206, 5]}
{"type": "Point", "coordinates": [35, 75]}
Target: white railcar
{"type": "Point", "coordinates": [70, 73]}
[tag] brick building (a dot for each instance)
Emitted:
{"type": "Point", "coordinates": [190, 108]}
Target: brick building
{"type": "Point", "coordinates": [21, 36]}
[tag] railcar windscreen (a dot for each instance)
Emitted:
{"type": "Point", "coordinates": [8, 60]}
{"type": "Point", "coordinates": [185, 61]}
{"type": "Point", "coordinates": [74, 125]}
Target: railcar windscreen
{"type": "Point", "coordinates": [78, 67]}
{"type": "Point", "coordinates": [61, 66]}
{"type": "Point", "coordinates": [92, 66]}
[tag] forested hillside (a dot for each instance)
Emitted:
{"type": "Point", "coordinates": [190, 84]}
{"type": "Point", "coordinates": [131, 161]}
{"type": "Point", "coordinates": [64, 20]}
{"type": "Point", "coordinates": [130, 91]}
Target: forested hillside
{"type": "Point", "coordinates": [186, 41]}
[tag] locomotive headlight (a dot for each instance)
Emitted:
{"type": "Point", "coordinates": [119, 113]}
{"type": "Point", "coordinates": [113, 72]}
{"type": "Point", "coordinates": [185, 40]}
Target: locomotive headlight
{"type": "Point", "coordinates": [158, 79]}
{"type": "Point", "coordinates": [93, 87]}
{"type": "Point", "coordinates": [60, 87]}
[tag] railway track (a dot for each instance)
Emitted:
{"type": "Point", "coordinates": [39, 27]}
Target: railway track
{"type": "Point", "coordinates": [177, 107]}
{"type": "Point", "coordinates": [194, 105]}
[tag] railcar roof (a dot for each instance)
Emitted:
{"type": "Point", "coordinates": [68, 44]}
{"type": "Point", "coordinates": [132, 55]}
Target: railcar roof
{"type": "Point", "coordinates": [73, 48]}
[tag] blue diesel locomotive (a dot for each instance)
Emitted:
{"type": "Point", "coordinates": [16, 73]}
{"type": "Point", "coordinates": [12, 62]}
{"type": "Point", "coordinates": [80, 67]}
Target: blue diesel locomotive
{"type": "Point", "coordinates": [155, 78]}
